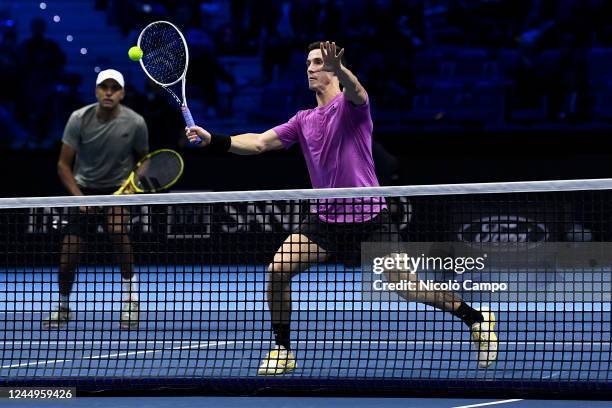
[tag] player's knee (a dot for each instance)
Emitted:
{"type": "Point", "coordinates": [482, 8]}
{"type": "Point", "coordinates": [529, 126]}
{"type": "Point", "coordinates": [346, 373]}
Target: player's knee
{"type": "Point", "coordinates": [117, 231]}
{"type": "Point", "coordinates": [277, 268]}
{"type": "Point", "coordinates": [279, 271]}
{"type": "Point", "coordinates": [71, 244]}
{"type": "Point", "coordinates": [70, 248]}
{"type": "Point", "coordinates": [410, 295]}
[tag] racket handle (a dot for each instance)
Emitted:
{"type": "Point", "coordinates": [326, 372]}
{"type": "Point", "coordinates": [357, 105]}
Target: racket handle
{"type": "Point", "coordinates": [189, 121]}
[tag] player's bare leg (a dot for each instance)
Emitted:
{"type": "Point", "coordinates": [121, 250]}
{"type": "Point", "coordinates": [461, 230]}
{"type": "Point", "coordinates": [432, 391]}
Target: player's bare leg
{"type": "Point", "coordinates": [296, 254]}
{"type": "Point", "coordinates": [118, 219]}
{"type": "Point", "coordinates": [481, 322]}
{"type": "Point", "coordinates": [72, 247]}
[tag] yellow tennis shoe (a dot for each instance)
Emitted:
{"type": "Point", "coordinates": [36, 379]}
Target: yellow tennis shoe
{"type": "Point", "coordinates": [485, 339]}
{"type": "Point", "coordinates": [58, 318]}
{"type": "Point", "coordinates": [129, 315]}
{"type": "Point", "coordinates": [278, 361]}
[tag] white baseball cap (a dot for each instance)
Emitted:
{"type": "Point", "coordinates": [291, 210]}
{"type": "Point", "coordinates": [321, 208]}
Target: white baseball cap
{"type": "Point", "coordinates": [110, 74]}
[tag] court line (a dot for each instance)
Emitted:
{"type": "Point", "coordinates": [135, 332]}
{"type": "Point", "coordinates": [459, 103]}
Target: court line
{"type": "Point", "coordinates": [416, 342]}
{"type": "Point", "coordinates": [102, 357]}
{"type": "Point", "coordinates": [34, 314]}
{"type": "Point", "coordinates": [553, 375]}
{"type": "Point", "coordinates": [207, 345]}
{"type": "Point", "coordinates": [523, 308]}
{"type": "Point", "coordinates": [489, 403]}
{"type": "Point", "coordinates": [105, 356]}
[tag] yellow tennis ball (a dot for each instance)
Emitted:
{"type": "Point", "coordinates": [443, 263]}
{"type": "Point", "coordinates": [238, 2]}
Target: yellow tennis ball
{"type": "Point", "coordinates": [135, 53]}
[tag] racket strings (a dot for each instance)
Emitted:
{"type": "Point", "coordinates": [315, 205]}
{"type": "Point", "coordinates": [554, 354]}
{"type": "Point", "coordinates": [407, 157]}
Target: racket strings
{"type": "Point", "coordinates": [165, 55]}
{"type": "Point", "coordinates": [159, 171]}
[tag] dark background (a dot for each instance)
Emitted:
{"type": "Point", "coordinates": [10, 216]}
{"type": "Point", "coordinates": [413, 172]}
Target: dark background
{"type": "Point", "coordinates": [461, 91]}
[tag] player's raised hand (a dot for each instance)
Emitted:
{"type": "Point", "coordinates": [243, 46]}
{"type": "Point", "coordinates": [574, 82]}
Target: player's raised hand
{"type": "Point", "coordinates": [331, 56]}
{"type": "Point", "coordinates": [194, 132]}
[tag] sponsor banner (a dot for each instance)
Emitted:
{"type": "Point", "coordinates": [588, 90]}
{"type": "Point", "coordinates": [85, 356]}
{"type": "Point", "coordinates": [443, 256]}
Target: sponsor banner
{"type": "Point", "coordinates": [254, 230]}
{"type": "Point", "coordinates": [498, 223]}
{"type": "Point", "coordinates": [199, 221]}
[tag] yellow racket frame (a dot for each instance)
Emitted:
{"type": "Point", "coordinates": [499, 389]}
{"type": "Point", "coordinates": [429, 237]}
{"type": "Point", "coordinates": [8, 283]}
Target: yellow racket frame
{"type": "Point", "coordinates": [129, 187]}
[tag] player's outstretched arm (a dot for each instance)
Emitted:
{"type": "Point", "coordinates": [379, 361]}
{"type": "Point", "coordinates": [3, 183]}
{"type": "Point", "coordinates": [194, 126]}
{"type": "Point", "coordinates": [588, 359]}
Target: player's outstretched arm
{"type": "Point", "coordinates": [244, 144]}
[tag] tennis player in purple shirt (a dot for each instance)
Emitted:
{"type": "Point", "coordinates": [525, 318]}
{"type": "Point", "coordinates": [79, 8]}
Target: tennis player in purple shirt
{"type": "Point", "coordinates": [336, 140]}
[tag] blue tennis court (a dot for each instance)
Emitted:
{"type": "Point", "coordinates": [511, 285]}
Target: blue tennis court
{"type": "Point", "coordinates": [211, 322]}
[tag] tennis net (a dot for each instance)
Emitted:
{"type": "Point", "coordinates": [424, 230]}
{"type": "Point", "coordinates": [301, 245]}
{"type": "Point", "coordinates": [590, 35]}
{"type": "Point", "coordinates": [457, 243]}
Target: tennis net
{"type": "Point", "coordinates": [194, 290]}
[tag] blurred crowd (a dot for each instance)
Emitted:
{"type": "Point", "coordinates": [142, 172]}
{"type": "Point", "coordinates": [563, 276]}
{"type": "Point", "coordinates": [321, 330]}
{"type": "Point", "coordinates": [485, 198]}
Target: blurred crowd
{"type": "Point", "coordinates": [384, 41]}
{"type": "Point", "coordinates": [37, 91]}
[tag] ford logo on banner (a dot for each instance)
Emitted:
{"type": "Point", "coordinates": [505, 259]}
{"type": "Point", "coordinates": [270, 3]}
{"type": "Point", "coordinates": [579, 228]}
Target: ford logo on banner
{"type": "Point", "coordinates": [504, 228]}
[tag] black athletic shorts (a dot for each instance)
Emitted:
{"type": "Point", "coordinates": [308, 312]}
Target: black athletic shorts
{"type": "Point", "coordinates": [83, 224]}
{"type": "Point", "coordinates": [342, 241]}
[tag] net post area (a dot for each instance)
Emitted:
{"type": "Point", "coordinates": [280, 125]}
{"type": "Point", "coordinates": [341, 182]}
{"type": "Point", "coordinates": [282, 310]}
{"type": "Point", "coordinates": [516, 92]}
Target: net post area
{"type": "Point", "coordinates": [493, 290]}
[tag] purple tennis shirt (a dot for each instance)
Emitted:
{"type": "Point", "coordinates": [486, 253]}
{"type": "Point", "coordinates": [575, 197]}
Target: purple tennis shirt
{"type": "Point", "coordinates": [336, 140]}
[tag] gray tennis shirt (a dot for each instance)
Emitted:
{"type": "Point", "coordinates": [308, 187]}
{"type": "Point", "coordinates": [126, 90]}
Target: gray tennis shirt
{"type": "Point", "coordinates": [105, 151]}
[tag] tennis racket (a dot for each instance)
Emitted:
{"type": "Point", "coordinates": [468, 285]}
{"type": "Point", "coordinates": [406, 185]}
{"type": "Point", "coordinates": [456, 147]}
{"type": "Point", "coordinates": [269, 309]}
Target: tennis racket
{"type": "Point", "coordinates": [156, 171]}
{"type": "Point", "coordinates": [165, 60]}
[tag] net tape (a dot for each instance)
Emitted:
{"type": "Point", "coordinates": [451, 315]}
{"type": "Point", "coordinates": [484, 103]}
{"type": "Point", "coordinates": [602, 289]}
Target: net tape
{"type": "Point", "coordinates": [311, 194]}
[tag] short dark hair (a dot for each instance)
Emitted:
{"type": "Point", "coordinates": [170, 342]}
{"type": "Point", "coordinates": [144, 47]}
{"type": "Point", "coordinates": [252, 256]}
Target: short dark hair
{"type": "Point", "coordinates": [317, 45]}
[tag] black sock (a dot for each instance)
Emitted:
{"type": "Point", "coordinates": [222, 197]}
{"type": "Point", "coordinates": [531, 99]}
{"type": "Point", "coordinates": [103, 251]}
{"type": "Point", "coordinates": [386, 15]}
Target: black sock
{"type": "Point", "coordinates": [65, 282]}
{"type": "Point", "coordinates": [468, 314]}
{"type": "Point", "coordinates": [282, 334]}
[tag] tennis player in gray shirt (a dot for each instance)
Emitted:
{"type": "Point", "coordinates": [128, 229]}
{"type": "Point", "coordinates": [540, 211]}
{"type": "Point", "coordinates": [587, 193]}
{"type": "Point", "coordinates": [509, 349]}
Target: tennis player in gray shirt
{"type": "Point", "coordinates": [102, 142]}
